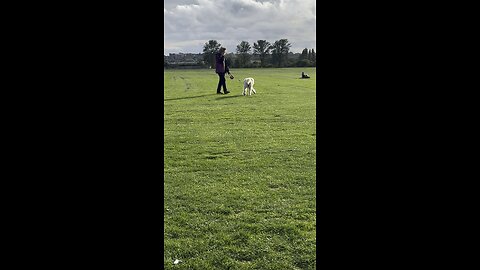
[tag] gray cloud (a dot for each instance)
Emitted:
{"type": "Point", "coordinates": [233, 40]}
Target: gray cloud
{"type": "Point", "coordinates": [191, 23]}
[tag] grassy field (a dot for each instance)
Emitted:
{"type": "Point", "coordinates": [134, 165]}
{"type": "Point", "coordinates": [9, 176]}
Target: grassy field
{"type": "Point", "coordinates": [239, 171]}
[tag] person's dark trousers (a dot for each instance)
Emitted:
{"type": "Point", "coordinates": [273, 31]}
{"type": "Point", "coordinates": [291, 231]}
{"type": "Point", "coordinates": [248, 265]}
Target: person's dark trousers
{"type": "Point", "coordinates": [221, 82]}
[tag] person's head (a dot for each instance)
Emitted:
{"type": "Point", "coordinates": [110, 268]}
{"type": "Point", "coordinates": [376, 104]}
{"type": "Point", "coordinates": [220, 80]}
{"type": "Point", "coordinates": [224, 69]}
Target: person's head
{"type": "Point", "coordinates": [222, 50]}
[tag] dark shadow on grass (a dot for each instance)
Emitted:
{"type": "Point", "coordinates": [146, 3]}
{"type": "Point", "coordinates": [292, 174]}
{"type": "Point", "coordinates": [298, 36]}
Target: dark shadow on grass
{"type": "Point", "coordinates": [168, 99]}
{"type": "Point", "coordinates": [228, 96]}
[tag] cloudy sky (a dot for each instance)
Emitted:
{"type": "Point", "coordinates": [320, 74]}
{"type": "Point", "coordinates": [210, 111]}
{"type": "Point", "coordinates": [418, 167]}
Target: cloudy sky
{"type": "Point", "coordinates": [188, 24]}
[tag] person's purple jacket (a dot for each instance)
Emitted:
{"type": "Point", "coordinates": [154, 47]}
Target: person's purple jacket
{"type": "Point", "coordinates": [219, 63]}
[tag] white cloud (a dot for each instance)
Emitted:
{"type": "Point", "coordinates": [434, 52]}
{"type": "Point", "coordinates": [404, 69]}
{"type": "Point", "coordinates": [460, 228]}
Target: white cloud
{"type": "Point", "coordinates": [191, 23]}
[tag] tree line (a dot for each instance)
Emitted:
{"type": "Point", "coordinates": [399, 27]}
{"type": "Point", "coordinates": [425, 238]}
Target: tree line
{"type": "Point", "coordinates": [270, 55]}
{"type": "Point", "coordinates": [262, 54]}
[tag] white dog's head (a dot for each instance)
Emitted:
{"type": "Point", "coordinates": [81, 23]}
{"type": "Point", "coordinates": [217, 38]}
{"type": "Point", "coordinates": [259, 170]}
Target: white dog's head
{"type": "Point", "coordinates": [249, 82]}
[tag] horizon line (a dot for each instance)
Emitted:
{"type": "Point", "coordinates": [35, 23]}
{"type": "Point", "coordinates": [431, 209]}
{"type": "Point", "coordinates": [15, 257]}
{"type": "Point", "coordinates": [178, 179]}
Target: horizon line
{"type": "Point", "coordinates": [227, 53]}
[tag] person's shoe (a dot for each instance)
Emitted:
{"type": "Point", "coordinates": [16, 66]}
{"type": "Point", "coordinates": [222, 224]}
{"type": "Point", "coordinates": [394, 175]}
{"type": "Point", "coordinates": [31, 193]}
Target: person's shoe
{"type": "Point", "coordinates": [226, 91]}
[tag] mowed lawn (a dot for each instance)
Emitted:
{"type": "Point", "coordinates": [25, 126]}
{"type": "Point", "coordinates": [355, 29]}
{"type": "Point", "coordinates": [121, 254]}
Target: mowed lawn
{"type": "Point", "coordinates": [239, 173]}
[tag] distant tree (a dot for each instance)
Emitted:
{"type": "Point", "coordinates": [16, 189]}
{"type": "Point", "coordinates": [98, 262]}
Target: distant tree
{"type": "Point", "coordinates": [280, 51]}
{"type": "Point", "coordinates": [314, 58]}
{"type": "Point", "coordinates": [256, 64]}
{"type": "Point", "coordinates": [209, 50]}
{"type": "Point", "coordinates": [228, 61]}
{"type": "Point", "coordinates": [304, 63]}
{"type": "Point", "coordinates": [165, 63]}
{"type": "Point", "coordinates": [243, 50]}
{"type": "Point", "coordinates": [275, 57]}
{"type": "Point", "coordinates": [262, 49]}
{"type": "Point", "coordinates": [304, 54]}
{"type": "Point", "coordinates": [236, 63]}
{"type": "Point", "coordinates": [304, 59]}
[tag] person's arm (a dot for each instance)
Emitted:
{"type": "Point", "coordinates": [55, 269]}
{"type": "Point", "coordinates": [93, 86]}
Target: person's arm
{"type": "Point", "coordinates": [224, 63]}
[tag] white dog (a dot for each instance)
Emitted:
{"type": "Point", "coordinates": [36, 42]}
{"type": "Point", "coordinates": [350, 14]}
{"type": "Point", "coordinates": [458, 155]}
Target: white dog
{"type": "Point", "coordinates": [248, 86]}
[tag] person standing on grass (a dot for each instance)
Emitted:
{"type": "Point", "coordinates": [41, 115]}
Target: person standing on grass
{"type": "Point", "coordinates": [221, 69]}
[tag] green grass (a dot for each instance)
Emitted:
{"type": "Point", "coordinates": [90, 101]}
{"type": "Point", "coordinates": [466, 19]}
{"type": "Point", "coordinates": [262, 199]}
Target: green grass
{"type": "Point", "coordinates": [239, 171]}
